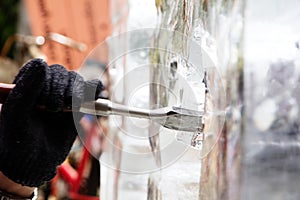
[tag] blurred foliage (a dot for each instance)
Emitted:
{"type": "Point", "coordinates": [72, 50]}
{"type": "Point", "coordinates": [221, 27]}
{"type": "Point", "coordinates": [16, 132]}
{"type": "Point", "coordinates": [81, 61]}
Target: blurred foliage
{"type": "Point", "coordinates": [9, 15]}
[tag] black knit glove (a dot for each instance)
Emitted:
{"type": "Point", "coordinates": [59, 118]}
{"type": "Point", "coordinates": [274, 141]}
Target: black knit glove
{"type": "Point", "coordinates": [33, 142]}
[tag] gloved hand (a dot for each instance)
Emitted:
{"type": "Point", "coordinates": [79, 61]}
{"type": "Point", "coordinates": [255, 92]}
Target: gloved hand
{"type": "Point", "coordinates": [32, 142]}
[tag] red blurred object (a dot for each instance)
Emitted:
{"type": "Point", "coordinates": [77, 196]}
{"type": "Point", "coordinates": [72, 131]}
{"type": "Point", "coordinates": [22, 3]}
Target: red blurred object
{"type": "Point", "coordinates": [75, 177]}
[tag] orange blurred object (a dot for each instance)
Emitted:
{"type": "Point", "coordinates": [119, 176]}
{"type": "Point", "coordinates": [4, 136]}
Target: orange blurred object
{"type": "Point", "coordinates": [85, 22]}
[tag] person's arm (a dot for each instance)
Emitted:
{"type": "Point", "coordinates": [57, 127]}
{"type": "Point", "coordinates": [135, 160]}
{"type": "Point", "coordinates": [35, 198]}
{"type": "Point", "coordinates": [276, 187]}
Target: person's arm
{"type": "Point", "coordinates": [34, 142]}
{"type": "Point", "coordinates": [11, 188]}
